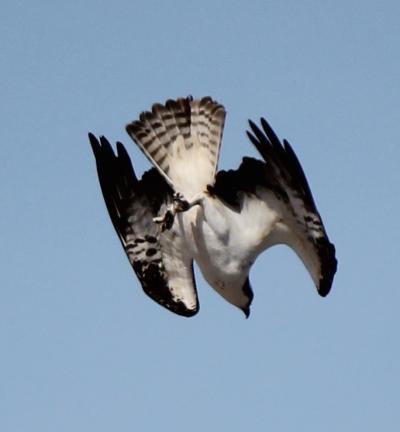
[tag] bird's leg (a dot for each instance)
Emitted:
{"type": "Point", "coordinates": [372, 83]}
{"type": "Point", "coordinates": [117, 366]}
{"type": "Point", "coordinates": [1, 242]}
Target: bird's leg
{"type": "Point", "coordinates": [179, 205]}
{"type": "Point", "coordinates": [182, 205]}
{"type": "Point", "coordinates": [166, 220]}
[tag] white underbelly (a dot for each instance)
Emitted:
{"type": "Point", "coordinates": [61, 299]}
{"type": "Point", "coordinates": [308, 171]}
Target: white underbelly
{"type": "Point", "coordinates": [225, 243]}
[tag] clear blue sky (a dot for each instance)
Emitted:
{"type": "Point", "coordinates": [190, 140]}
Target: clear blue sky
{"type": "Point", "coordinates": [82, 347]}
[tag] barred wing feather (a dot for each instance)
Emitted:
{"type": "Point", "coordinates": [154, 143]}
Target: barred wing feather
{"type": "Point", "coordinates": [158, 258]}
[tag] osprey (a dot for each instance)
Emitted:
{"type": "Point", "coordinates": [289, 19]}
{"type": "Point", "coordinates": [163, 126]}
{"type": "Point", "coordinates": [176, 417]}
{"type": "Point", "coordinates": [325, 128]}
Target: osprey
{"type": "Point", "coordinates": [183, 210]}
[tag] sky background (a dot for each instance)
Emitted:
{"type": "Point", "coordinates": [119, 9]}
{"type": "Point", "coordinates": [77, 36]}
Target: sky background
{"type": "Point", "coordinates": [82, 347]}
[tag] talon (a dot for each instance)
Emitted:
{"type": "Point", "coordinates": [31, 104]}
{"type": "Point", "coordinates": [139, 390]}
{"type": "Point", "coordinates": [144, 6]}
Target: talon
{"type": "Point", "coordinates": [177, 196]}
{"type": "Point", "coordinates": [166, 221]}
{"type": "Point", "coordinates": [180, 204]}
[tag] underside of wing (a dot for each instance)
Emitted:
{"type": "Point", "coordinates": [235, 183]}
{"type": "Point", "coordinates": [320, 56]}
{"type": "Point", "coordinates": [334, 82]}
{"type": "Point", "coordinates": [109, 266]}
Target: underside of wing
{"type": "Point", "coordinates": [182, 139]}
{"type": "Point", "coordinates": [158, 258]}
{"type": "Point", "coordinates": [273, 199]}
{"type": "Point", "coordinates": [303, 227]}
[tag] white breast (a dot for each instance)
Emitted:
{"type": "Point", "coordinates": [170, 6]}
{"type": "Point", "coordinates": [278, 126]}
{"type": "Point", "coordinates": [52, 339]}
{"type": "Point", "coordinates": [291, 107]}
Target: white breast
{"type": "Point", "coordinates": [224, 242]}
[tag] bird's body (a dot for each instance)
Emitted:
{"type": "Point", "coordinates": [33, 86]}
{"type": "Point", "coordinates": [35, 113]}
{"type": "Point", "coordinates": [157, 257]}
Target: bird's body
{"type": "Point", "coordinates": [225, 243]}
{"type": "Point", "coordinates": [183, 210]}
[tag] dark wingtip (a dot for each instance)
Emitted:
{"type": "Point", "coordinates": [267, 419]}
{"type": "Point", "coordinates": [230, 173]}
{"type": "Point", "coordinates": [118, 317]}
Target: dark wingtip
{"type": "Point", "coordinates": [265, 124]}
{"type": "Point", "coordinates": [187, 313]}
{"type": "Point", "coordinates": [104, 140]}
{"type": "Point", "coordinates": [91, 137]}
{"type": "Point", "coordinates": [248, 292]}
{"type": "Point", "coordinates": [177, 308]}
{"type": "Point", "coordinates": [93, 142]}
{"type": "Point", "coordinates": [121, 150]}
{"type": "Point", "coordinates": [325, 286]}
{"type": "Point", "coordinates": [329, 266]}
{"type": "Point", "coordinates": [252, 138]}
{"type": "Point", "coordinates": [256, 130]}
{"type": "Point", "coordinates": [246, 311]}
{"type": "Point", "coordinates": [251, 124]}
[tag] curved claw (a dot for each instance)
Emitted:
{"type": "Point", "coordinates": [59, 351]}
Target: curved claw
{"type": "Point", "coordinates": [166, 221]}
{"type": "Point", "coordinates": [180, 204]}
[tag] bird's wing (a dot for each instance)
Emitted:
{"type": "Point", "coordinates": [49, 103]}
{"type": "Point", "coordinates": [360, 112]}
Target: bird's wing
{"type": "Point", "coordinates": [182, 139]}
{"type": "Point", "coordinates": [159, 259]}
{"type": "Point", "coordinates": [279, 183]}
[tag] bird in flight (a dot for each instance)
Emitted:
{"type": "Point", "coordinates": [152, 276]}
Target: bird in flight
{"type": "Point", "coordinates": [184, 210]}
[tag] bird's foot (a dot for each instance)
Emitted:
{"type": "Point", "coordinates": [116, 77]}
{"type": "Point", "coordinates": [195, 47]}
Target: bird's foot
{"type": "Point", "coordinates": [179, 205]}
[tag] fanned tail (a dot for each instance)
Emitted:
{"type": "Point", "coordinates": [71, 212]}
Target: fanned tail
{"type": "Point", "coordinates": [182, 139]}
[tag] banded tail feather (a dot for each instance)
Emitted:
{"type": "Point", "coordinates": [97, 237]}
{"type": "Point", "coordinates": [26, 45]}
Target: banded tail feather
{"type": "Point", "coordinates": [182, 139]}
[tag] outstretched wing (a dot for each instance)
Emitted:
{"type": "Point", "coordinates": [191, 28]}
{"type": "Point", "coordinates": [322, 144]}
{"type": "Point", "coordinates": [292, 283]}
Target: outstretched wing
{"type": "Point", "coordinates": [281, 185]}
{"type": "Point", "coordinates": [159, 259]}
{"type": "Point", "coordinates": [182, 140]}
